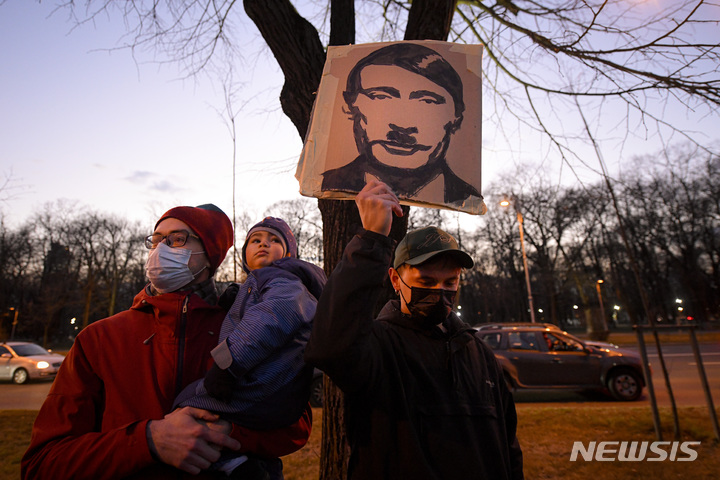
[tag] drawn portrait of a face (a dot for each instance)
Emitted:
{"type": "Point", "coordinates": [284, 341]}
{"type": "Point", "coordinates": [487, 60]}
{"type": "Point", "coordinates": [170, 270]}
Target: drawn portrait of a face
{"type": "Point", "coordinates": [406, 103]}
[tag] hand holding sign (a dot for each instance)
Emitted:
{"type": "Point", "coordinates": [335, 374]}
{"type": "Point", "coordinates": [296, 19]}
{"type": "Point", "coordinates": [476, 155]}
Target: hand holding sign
{"type": "Point", "coordinates": [376, 204]}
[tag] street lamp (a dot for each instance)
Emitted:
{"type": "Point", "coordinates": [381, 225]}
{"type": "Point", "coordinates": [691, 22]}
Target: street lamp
{"type": "Point", "coordinates": [14, 323]}
{"type": "Point", "coordinates": [679, 302]}
{"type": "Point", "coordinates": [602, 307]}
{"type": "Point", "coordinates": [506, 203]}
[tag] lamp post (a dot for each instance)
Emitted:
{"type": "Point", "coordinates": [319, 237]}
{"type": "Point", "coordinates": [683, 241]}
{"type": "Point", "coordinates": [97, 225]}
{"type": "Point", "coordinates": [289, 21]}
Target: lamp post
{"type": "Point", "coordinates": [14, 323]}
{"type": "Point", "coordinates": [602, 307]}
{"type": "Point", "coordinates": [506, 203]}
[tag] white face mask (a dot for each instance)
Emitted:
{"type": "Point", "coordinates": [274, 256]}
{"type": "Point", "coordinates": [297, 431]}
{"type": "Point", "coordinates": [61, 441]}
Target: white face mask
{"type": "Point", "coordinates": [167, 268]}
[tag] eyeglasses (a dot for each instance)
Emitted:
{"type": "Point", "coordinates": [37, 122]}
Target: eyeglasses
{"type": "Point", "coordinates": [172, 239]}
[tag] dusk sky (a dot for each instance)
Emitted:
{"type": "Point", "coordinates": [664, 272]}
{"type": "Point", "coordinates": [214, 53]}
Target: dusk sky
{"type": "Point", "coordinates": [102, 130]}
{"type": "Point", "coordinates": [95, 128]}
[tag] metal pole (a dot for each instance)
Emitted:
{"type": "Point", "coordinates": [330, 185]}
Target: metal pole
{"type": "Point", "coordinates": [524, 256]}
{"type": "Point", "coordinates": [666, 376]}
{"type": "Point", "coordinates": [649, 381]}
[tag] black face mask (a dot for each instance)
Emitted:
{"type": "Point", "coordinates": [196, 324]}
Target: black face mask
{"type": "Point", "coordinates": [430, 306]}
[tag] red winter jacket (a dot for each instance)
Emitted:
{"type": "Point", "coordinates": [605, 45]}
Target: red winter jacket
{"type": "Point", "coordinates": [122, 372]}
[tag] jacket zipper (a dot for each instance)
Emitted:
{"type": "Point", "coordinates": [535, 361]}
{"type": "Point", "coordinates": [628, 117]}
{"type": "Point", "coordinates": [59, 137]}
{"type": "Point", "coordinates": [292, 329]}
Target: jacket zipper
{"type": "Point", "coordinates": [181, 348]}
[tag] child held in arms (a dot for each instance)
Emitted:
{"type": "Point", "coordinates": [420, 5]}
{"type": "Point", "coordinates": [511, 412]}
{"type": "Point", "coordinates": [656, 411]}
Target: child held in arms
{"type": "Point", "coordinates": [259, 379]}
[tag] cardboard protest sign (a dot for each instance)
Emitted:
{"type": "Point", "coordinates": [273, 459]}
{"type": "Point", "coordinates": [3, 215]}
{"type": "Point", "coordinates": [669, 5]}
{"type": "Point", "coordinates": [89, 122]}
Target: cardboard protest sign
{"type": "Point", "coordinates": [407, 113]}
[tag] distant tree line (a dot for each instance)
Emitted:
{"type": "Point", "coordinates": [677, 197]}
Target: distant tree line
{"type": "Point", "coordinates": [668, 206]}
{"type": "Point", "coordinates": [66, 267]}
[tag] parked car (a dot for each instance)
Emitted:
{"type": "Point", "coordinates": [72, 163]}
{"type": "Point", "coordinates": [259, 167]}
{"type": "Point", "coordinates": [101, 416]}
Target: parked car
{"type": "Point", "coordinates": [541, 326]}
{"type": "Point", "coordinates": [538, 356]}
{"type": "Point", "coordinates": [22, 361]}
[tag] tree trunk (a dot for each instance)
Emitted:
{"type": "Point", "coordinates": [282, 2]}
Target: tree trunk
{"type": "Point", "coordinates": [341, 221]}
{"type": "Point", "coordinates": [342, 22]}
{"type": "Point", "coordinates": [297, 48]}
{"type": "Point", "coordinates": [430, 19]}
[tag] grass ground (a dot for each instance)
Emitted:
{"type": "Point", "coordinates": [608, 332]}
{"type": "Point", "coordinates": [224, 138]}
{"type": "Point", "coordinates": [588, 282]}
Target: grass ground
{"type": "Point", "coordinates": [15, 427]}
{"type": "Point", "coordinates": [546, 435]}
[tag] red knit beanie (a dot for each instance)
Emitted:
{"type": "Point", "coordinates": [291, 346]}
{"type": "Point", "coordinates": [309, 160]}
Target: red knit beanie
{"type": "Point", "coordinates": [211, 225]}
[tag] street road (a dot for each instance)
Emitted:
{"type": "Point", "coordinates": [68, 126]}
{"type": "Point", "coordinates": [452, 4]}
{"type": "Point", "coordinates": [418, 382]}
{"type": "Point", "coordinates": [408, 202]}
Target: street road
{"type": "Point", "coordinates": [684, 376]}
{"type": "Point", "coordinates": [679, 360]}
{"type": "Point", "coordinates": [29, 396]}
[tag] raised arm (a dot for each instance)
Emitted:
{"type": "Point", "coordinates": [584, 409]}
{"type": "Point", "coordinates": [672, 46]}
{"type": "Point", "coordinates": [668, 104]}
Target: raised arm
{"type": "Point", "coordinates": [341, 343]}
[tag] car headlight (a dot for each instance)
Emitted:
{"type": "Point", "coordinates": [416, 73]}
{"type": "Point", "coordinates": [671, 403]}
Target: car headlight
{"type": "Point", "coordinates": [43, 364]}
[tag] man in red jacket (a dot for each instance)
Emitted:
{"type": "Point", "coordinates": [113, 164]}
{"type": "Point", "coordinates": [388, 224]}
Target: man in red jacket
{"type": "Point", "coordinates": [109, 412]}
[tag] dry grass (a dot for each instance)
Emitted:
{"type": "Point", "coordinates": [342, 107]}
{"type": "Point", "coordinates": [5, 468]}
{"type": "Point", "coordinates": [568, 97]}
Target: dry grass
{"type": "Point", "coordinates": [546, 435]}
{"type": "Point", "coordinates": [15, 427]}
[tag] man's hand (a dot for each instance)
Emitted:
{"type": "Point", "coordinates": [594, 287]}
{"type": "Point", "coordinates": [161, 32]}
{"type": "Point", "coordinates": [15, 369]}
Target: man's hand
{"type": "Point", "coordinates": [190, 439]}
{"type": "Point", "coordinates": [376, 203]}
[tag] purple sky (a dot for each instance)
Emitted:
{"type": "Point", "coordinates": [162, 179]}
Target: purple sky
{"type": "Point", "coordinates": [95, 128]}
{"type": "Point", "coordinates": [84, 125]}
